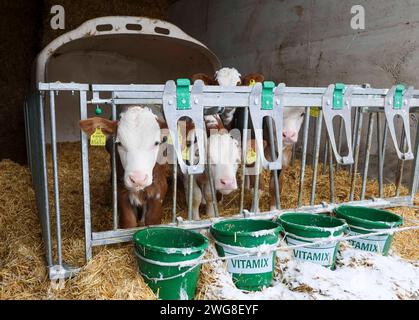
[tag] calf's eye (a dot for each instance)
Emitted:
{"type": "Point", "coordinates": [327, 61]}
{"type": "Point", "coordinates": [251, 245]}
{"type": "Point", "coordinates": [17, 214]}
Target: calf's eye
{"type": "Point", "coordinates": [156, 143]}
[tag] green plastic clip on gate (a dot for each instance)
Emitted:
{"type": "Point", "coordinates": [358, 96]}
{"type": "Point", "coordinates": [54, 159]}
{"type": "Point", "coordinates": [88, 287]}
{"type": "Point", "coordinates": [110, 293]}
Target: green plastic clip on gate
{"type": "Point", "coordinates": [183, 96]}
{"type": "Point", "coordinates": [303, 228]}
{"type": "Point", "coordinates": [398, 96]}
{"type": "Point", "coordinates": [267, 95]}
{"type": "Point", "coordinates": [169, 260]}
{"type": "Point", "coordinates": [362, 220]}
{"type": "Point", "coordinates": [251, 240]}
{"type": "Point", "coordinates": [338, 96]}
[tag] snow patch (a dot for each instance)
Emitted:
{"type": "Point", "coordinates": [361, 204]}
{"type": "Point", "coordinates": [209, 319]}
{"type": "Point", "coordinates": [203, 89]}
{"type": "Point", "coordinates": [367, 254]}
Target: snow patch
{"type": "Point", "coordinates": [358, 275]}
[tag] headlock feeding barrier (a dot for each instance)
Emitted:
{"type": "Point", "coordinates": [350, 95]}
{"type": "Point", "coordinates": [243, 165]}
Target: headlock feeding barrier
{"type": "Point", "coordinates": [349, 104]}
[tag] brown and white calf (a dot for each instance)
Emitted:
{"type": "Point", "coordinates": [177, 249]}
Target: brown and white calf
{"type": "Point", "coordinates": [228, 77]}
{"type": "Point", "coordinates": [141, 181]}
{"type": "Point", "coordinates": [224, 157]}
{"type": "Point", "coordinates": [293, 119]}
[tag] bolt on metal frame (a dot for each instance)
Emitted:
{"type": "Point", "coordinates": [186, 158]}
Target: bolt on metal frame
{"type": "Point", "coordinates": [363, 100]}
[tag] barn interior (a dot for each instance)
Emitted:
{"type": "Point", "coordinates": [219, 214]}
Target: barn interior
{"type": "Point", "coordinates": [300, 43]}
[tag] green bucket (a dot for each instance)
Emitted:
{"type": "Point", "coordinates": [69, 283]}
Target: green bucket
{"type": "Point", "coordinates": [304, 228]}
{"type": "Point", "coordinates": [362, 220]}
{"type": "Point", "coordinates": [167, 259]}
{"type": "Point", "coordinates": [254, 237]}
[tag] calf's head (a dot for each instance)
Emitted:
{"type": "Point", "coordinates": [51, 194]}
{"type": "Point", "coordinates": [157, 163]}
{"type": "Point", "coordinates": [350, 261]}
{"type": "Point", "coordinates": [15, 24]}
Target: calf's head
{"type": "Point", "coordinates": [138, 137]}
{"type": "Point", "coordinates": [224, 157]}
{"type": "Point", "coordinates": [293, 119]}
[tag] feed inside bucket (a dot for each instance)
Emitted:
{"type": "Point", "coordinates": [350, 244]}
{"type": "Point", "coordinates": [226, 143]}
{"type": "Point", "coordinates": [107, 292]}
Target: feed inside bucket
{"type": "Point", "coordinates": [362, 220]}
{"type": "Point", "coordinates": [248, 236]}
{"type": "Point", "coordinates": [168, 259]}
{"type": "Point", "coordinates": [301, 228]}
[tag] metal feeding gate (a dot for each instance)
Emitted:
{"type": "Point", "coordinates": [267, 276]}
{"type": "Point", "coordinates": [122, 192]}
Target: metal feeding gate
{"type": "Point", "coordinates": [343, 101]}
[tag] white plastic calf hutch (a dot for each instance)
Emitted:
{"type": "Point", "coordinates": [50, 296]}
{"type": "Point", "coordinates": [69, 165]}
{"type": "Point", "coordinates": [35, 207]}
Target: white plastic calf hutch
{"type": "Point", "coordinates": [117, 61]}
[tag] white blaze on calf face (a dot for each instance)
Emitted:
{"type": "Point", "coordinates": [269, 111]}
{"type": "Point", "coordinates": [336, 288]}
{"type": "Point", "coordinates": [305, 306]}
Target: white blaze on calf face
{"type": "Point", "coordinates": [228, 77]}
{"type": "Point", "coordinates": [138, 140]}
{"type": "Point", "coordinates": [224, 154]}
{"type": "Point", "coordinates": [293, 119]}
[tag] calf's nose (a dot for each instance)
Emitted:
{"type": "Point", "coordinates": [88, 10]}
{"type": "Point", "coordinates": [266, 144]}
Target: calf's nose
{"type": "Point", "coordinates": [138, 178]}
{"type": "Point", "coordinates": [228, 183]}
{"type": "Point", "coordinates": [289, 135]}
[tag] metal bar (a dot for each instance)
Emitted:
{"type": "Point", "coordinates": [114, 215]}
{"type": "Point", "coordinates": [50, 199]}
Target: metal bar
{"type": "Point", "coordinates": [58, 86]}
{"type": "Point", "coordinates": [86, 183]}
{"type": "Point", "coordinates": [384, 146]}
{"type": "Point", "coordinates": [316, 155]}
{"type": "Point", "coordinates": [174, 207]}
{"type": "Point", "coordinates": [313, 149]}
{"type": "Point", "coordinates": [191, 177]}
{"type": "Point", "coordinates": [244, 154]}
{"type": "Point", "coordinates": [367, 154]}
{"type": "Point", "coordinates": [27, 134]}
{"type": "Point", "coordinates": [55, 174]}
{"type": "Point", "coordinates": [340, 139]}
{"type": "Point", "coordinates": [356, 154]}
{"type": "Point", "coordinates": [325, 154]}
{"type": "Point", "coordinates": [255, 199]}
{"type": "Point", "coordinates": [273, 155]}
{"type": "Point", "coordinates": [44, 182]}
{"type": "Point", "coordinates": [354, 135]}
{"type": "Point", "coordinates": [303, 156]}
{"type": "Point", "coordinates": [114, 175]}
{"type": "Point", "coordinates": [295, 96]}
{"type": "Point", "coordinates": [414, 184]}
{"type": "Point", "coordinates": [400, 163]}
{"type": "Point", "coordinates": [380, 157]}
{"type": "Point", "coordinates": [125, 235]}
{"type": "Point", "coordinates": [331, 174]}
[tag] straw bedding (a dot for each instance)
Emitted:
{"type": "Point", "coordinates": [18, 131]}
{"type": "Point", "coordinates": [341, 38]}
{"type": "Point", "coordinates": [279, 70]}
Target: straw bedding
{"type": "Point", "coordinates": [111, 274]}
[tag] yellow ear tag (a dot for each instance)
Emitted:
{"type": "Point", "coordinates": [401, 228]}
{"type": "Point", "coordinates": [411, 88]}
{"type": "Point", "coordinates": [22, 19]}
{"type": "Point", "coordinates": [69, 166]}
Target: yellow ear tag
{"type": "Point", "coordinates": [98, 139]}
{"type": "Point", "coordinates": [185, 154]}
{"type": "Point", "coordinates": [170, 139]}
{"type": "Point", "coordinates": [314, 112]}
{"type": "Point", "coordinates": [250, 156]}
{"type": "Point", "coordinates": [252, 82]}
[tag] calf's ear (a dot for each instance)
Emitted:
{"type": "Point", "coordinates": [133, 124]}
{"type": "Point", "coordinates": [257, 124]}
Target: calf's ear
{"type": "Point", "coordinates": [162, 124]}
{"type": "Point", "coordinates": [204, 77]}
{"type": "Point", "coordinates": [252, 77]}
{"type": "Point", "coordinates": [91, 124]}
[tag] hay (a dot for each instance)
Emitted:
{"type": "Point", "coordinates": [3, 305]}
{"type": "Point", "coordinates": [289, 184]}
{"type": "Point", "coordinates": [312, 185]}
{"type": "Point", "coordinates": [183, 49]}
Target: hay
{"type": "Point", "coordinates": [111, 274]}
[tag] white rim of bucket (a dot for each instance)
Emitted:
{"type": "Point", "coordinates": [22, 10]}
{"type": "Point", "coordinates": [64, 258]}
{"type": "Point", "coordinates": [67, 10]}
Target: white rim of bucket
{"type": "Point", "coordinates": [266, 248]}
{"type": "Point", "coordinates": [385, 230]}
{"type": "Point", "coordinates": [192, 263]}
{"type": "Point", "coordinates": [179, 264]}
{"type": "Point", "coordinates": [310, 240]}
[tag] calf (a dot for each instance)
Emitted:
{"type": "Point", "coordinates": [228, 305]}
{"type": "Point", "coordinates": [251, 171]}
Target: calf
{"type": "Point", "coordinates": [141, 182]}
{"type": "Point", "coordinates": [228, 77]}
{"type": "Point", "coordinates": [224, 157]}
{"type": "Point", "coordinates": [293, 119]}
